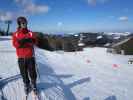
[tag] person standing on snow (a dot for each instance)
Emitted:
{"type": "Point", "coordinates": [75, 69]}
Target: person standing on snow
{"type": "Point", "coordinates": [24, 40]}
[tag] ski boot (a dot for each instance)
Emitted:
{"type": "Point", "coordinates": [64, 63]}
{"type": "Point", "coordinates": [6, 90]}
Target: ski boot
{"type": "Point", "coordinates": [34, 88]}
{"type": "Point", "coordinates": [27, 89]}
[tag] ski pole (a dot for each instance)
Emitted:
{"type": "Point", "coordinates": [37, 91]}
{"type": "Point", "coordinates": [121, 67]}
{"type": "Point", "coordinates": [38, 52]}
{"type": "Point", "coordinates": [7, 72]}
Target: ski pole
{"type": "Point", "coordinates": [36, 66]}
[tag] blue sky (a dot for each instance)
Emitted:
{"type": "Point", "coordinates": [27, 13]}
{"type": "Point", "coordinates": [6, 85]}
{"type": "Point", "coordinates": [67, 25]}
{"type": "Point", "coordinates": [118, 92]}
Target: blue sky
{"type": "Point", "coordinates": [70, 15]}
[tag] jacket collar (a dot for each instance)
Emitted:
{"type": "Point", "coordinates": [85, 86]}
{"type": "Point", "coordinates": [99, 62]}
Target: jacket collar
{"type": "Point", "coordinates": [24, 31]}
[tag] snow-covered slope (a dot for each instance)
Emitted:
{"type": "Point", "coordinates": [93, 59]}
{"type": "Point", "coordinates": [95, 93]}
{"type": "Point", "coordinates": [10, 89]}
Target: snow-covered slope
{"type": "Point", "coordinates": [91, 74]}
{"type": "Point", "coordinates": [118, 33]}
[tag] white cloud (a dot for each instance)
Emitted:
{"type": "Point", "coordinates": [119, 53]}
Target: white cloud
{"type": "Point", "coordinates": [103, 1]}
{"type": "Point", "coordinates": [94, 2]}
{"type": "Point", "coordinates": [22, 2]}
{"type": "Point", "coordinates": [4, 16]}
{"type": "Point", "coordinates": [25, 8]}
{"type": "Point", "coordinates": [123, 18]}
{"type": "Point", "coordinates": [30, 7]}
{"type": "Point", "coordinates": [33, 8]}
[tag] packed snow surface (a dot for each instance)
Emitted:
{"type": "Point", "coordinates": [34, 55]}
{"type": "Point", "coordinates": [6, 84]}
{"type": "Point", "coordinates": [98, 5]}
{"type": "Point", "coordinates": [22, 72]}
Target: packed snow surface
{"type": "Point", "coordinates": [91, 74]}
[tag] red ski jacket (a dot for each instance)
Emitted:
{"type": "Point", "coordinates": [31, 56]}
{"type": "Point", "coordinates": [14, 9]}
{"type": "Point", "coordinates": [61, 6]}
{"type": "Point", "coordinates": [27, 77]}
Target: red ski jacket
{"type": "Point", "coordinates": [28, 50]}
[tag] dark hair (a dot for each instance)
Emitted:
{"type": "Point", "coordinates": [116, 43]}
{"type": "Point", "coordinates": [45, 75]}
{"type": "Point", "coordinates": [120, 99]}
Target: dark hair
{"type": "Point", "coordinates": [21, 19]}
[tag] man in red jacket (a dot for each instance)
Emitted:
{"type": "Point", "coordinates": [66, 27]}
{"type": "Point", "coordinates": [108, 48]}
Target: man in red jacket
{"type": "Point", "coordinates": [24, 41]}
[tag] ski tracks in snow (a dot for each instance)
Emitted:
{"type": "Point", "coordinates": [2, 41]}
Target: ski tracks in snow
{"type": "Point", "coordinates": [50, 86]}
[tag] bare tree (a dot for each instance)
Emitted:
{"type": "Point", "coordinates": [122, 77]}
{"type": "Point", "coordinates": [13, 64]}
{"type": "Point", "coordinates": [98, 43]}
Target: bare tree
{"type": "Point", "coordinates": [8, 22]}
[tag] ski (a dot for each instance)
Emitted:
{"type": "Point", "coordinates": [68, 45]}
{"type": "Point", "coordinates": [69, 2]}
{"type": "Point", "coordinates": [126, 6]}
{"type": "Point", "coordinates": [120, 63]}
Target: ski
{"type": "Point", "coordinates": [26, 96]}
{"type": "Point", "coordinates": [36, 95]}
{"type": "Point", "coordinates": [27, 93]}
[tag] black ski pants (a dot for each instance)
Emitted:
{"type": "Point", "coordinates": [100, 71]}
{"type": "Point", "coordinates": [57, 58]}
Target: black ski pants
{"type": "Point", "coordinates": [27, 68]}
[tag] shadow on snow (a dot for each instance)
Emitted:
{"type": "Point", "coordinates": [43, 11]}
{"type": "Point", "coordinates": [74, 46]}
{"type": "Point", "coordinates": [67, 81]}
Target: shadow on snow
{"type": "Point", "coordinates": [4, 82]}
{"type": "Point", "coordinates": [50, 80]}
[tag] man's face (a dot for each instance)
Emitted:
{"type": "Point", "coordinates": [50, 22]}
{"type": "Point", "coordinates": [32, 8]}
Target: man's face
{"type": "Point", "coordinates": [23, 25]}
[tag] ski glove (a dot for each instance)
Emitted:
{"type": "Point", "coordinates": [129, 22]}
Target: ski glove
{"type": "Point", "coordinates": [25, 40]}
